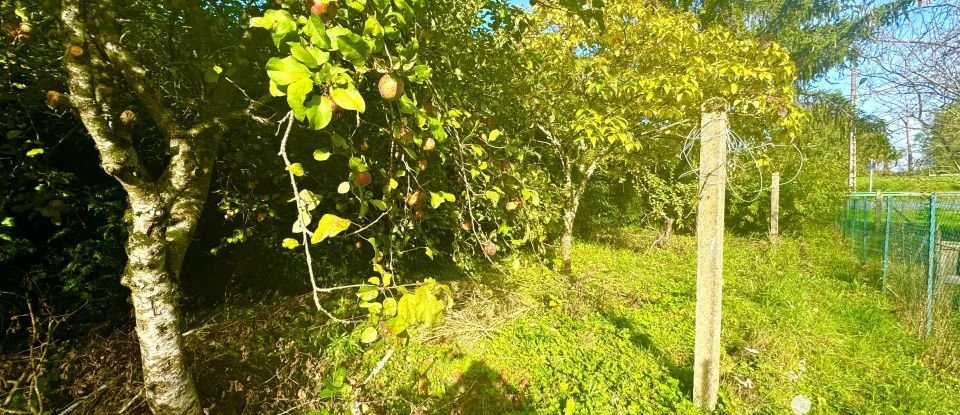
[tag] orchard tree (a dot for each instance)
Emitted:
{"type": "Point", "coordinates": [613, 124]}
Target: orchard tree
{"type": "Point", "coordinates": [390, 145]}
{"type": "Point", "coordinates": [604, 91]}
{"type": "Point", "coordinates": [143, 76]}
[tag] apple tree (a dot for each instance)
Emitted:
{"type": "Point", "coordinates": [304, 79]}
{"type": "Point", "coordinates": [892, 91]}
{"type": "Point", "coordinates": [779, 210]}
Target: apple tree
{"type": "Point", "coordinates": [392, 146]}
{"type": "Point", "coordinates": [606, 91]}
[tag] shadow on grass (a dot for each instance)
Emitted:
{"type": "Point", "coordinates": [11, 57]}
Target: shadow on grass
{"type": "Point", "coordinates": [682, 373]}
{"type": "Point", "coordinates": [482, 390]}
{"type": "Point", "coordinates": [479, 390]}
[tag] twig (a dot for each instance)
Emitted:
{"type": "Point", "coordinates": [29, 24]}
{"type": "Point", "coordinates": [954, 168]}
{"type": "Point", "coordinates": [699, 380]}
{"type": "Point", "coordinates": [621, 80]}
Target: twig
{"type": "Point", "coordinates": [301, 208]}
{"type": "Point", "coordinates": [130, 402]}
{"type": "Point", "coordinates": [76, 404]}
{"type": "Point", "coordinates": [347, 287]}
{"type": "Point", "coordinates": [355, 408]}
{"type": "Point", "coordinates": [379, 367]}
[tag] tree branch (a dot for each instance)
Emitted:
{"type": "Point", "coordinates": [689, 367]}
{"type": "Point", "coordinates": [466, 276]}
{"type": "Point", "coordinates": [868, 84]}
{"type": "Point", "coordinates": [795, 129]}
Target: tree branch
{"type": "Point", "coordinates": [133, 72]}
{"type": "Point", "coordinates": [118, 157]}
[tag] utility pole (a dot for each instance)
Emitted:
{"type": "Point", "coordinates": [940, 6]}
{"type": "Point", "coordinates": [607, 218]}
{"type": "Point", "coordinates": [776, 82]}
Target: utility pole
{"type": "Point", "coordinates": [710, 220]}
{"type": "Point", "coordinates": [853, 124]}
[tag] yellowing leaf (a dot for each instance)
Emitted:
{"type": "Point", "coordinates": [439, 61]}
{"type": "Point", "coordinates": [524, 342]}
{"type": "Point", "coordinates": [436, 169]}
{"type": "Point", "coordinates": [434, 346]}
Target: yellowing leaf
{"type": "Point", "coordinates": [290, 243]}
{"type": "Point", "coordinates": [329, 226]}
{"type": "Point", "coordinates": [349, 99]}
{"type": "Point", "coordinates": [296, 169]}
{"type": "Point", "coordinates": [369, 335]}
{"type": "Point", "coordinates": [390, 307]}
{"type": "Point", "coordinates": [436, 199]}
{"type": "Point", "coordinates": [321, 155]}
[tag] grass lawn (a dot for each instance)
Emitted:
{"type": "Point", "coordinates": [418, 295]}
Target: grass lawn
{"type": "Point", "coordinates": [615, 339]}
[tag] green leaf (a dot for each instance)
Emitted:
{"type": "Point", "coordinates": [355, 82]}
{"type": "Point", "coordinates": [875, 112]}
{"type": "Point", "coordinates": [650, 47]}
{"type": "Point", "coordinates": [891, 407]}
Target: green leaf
{"type": "Point", "coordinates": [343, 188]}
{"type": "Point", "coordinates": [429, 252]}
{"type": "Point", "coordinates": [396, 325]}
{"type": "Point", "coordinates": [494, 135]}
{"type": "Point", "coordinates": [329, 226]}
{"type": "Point", "coordinates": [321, 155]}
{"type": "Point", "coordinates": [297, 93]}
{"type": "Point", "coordinates": [357, 5]}
{"type": "Point", "coordinates": [286, 71]}
{"type": "Point", "coordinates": [420, 74]}
{"type": "Point", "coordinates": [333, 34]}
{"type": "Point", "coordinates": [296, 169]}
{"type": "Point", "coordinates": [317, 32]}
{"type": "Point", "coordinates": [303, 55]}
{"type": "Point", "coordinates": [357, 164]}
{"type": "Point", "coordinates": [35, 152]}
{"type": "Point", "coordinates": [436, 199]}
{"type": "Point", "coordinates": [275, 90]}
{"type": "Point", "coordinates": [369, 335]}
{"type": "Point", "coordinates": [338, 141]}
{"type": "Point", "coordinates": [290, 243]}
{"type": "Point", "coordinates": [348, 99]}
{"type": "Point", "coordinates": [318, 112]}
{"type": "Point", "coordinates": [262, 22]}
{"type": "Point", "coordinates": [379, 204]}
{"type": "Point", "coordinates": [493, 196]}
{"type": "Point", "coordinates": [354, 48]}
{"type": "Point", "coordinates": [390, 307]}
{"type": "Point", "coordinates": [368, 292]}
{"type": "Point", "coordinates": [372, 27]}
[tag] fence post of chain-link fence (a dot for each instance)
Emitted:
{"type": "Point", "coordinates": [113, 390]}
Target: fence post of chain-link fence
{"type": "Point", "coordinates": [886, 244]}
{"type": "Point", "coordinates": [931, 261]}
{"type": "Point", "coordinates": [865, 216]}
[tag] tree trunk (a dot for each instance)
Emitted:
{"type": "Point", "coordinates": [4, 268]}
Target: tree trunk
{"type": "Point", "coordinates": [664, 238]}
{"type": "Point", "coordinates": [165, 210]}
{"type": "Point", "coordinates": [168, 385]}
{"type": "Point", "coordinates": [566, 243]}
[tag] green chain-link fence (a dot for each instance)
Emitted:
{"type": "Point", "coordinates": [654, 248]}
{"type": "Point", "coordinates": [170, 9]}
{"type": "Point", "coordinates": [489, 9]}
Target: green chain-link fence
{"type": "Point", "coordinates": [914, 240]}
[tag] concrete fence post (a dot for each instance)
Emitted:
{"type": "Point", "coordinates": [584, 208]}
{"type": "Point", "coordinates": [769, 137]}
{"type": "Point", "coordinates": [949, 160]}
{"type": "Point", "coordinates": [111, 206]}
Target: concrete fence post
{"type": "Point", "coordinates": [710, 224]}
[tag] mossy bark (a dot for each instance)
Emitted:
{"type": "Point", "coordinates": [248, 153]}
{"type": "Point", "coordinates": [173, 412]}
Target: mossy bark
{"type": "Point", "coordinates": [168, 384]}
{"type": "Point", "coordinates": [164, 210]}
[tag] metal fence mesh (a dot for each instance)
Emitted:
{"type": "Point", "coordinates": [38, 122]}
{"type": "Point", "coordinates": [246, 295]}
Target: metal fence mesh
{"type": "Point", "coordinates": [914, 241]}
